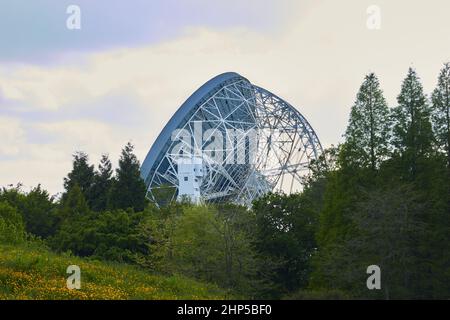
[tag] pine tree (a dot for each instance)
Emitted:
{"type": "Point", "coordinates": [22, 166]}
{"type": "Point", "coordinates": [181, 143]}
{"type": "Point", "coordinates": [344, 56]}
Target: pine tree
{"type": "Point", "coordinates": [358, 159]}
{"type": "Point", "coordinates": [367, 134]}
{"type": "Point", "coordinates": [412, 133]}
{"type": "Point", "coordinates": [441, 110]}
{"type": "Point", "coordinates": [101, 188]}
{"type": "Point", "coordinates": [414, 143]}
{"type": "Point", "coordinates": [82, 174]}
{"type": "Point", "coordinates": [129, 189]}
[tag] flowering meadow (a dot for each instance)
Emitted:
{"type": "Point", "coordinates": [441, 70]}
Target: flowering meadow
{"type": "Point", "coordinates": [31, 272]}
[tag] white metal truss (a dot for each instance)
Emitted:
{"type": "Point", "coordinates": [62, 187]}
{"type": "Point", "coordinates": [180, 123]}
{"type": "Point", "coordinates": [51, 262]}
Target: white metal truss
{"type": "Point", "coordinates": [278, 142]}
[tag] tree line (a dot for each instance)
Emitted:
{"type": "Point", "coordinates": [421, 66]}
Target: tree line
{"type": "Point", "coordinates": [387, 195]}
{"type": "Point", "coordinates": [382, 197]}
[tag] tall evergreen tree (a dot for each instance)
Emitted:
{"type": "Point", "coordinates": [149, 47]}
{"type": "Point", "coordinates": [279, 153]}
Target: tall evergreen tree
{"type": "Point", "coordinates": [412, 133]}
{"type": "Point", "coordinates": [367, 134]}
{"type": "Point", "coordinates": [82, 174]}
{"type": "Point", "coordinates": [101, 188]}
{"type": "Point", "coordinates": [129, 189]}
{"type": "Point", "coordinates": [441, 110]}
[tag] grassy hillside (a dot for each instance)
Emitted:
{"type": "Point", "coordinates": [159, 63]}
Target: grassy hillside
{"type": "Point", "coordinates": [29, 272]}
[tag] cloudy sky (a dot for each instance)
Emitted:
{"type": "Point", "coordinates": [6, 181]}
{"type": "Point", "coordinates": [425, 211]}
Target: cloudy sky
{"type": "Point", "coordinates": [125, 72]}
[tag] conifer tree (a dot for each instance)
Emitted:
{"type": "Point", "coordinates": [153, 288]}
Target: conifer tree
{"type": "Point", "coordinates": [101, 188]}
{"type": "Point", "coordinates": [129, 189]}
{"type": "Point", "coordinates": [441, 111]}
{"type": "Point", "coordinates": [367, 134]}
{"type": "Point", "coordinates": [412, 133]}
{"type": "Point", "coordinates": [82, 174]}
{"type": "Point", "coordinates": [440, 235]}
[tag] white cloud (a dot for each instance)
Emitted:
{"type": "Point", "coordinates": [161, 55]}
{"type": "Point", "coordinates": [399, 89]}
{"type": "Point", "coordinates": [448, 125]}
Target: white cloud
{"type": "Point", "coordinates": [31, 172]}
{"type": "Point", "coordinates": [47, 163]}
{"type": "Point", "coordinates": [12, 136]}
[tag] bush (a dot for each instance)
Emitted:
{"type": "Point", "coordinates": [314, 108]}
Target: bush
{"type": "Point", "coordinates": [207, 243]}
{"type": "Point", "coordinates": [38, 213]}
{"type": "Point", "coordinates": [35, 207]}
{"type": "Point", "coordinates": [12, 229]}
{"type": "Point", "coordinates": [109, 235]}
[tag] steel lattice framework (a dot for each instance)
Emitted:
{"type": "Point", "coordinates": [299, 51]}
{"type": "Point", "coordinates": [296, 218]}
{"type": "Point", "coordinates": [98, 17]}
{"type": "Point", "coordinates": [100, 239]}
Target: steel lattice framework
{"type": "Point", "coordinates": [250, 142]}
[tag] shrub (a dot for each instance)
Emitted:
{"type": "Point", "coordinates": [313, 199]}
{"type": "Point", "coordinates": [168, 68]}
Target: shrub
{"type": "Point", "coordinates": [109, 235]}
{"type": "Point", "coordinates": [12, 229]}
{"type": "Point", "coordinates": [207, 243]}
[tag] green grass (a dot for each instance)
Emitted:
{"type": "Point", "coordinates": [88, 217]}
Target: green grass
{"type": "Point", "coordinates": [32, 272]}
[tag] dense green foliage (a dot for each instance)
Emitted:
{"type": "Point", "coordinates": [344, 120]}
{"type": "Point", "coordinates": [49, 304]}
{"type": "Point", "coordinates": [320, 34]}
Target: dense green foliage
{"type": "Point", "coordinates": [395, 214]}
{"type": "Point", "coordinates": [285, 229]}
{"type": "Point", "coordinates": [382, 197]}
{"type": "Point", "coordinates": [111, 235]}
{"type": "Point", "coordinates": [209, 243]}
{"type": "Point", "coordinates": [12, 229]}
{"type": "Point", "coordinates": [441, 112]}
